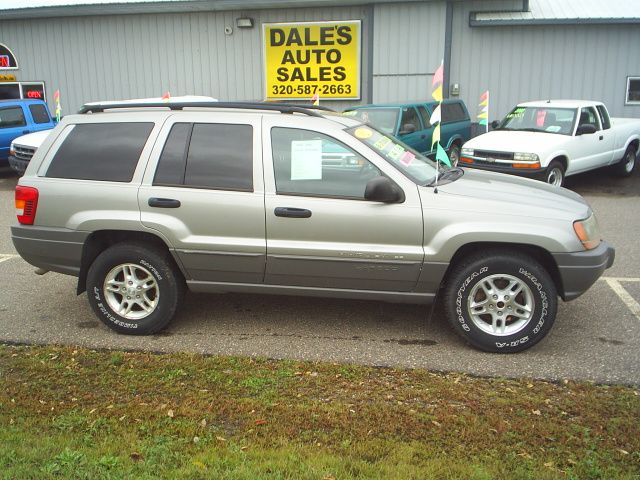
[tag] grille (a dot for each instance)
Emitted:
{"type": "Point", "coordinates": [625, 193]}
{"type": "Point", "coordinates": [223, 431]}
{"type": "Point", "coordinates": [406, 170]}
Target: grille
{"type": "Point", "coordinates": [24, 153]}
{"type": "Point", "coordinates": [496, 155]}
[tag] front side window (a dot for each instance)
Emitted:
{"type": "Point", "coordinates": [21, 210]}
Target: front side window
{"type": "Point", "coordinates": [100, 151]}
{"type": "Point", "coordinates": [588, 116]}
{"type": "Point", "coordinates": [424, 115]}
{"type": "Point", "coordinates": [314, 164]}
{"type": "Point", "coordinates": [633, 90]}
{"type": "Point", "coordinates": [12, 117]}
{"type": "Point", "coordinates": [540, 119]}
{"type": "Point", "coordinates": [384, 118]}
{"type": "Point", "coordinates": [410, 122]}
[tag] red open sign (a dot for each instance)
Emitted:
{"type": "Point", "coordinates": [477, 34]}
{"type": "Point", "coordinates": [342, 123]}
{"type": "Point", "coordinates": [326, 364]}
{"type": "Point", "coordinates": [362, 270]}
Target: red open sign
{"type": "Point", "coordinates": [34, 94]}
{"type": "Point", "coordinates": [4, 61]}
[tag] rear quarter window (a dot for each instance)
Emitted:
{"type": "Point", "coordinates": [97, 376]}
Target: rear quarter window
{"type": "Point", "coordinates": [100, 151]}
{"type": "Point", "coordinates": [39, 113]}
{"type": "Point", "coordinates": [453, 112]}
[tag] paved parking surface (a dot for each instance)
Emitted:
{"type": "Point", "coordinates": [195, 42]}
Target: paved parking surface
{"type": "Point", "coordinates": [596, 337]}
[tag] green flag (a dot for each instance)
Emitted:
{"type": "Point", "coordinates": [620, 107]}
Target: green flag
{"type": "Point", "coordinates": [441, 155]}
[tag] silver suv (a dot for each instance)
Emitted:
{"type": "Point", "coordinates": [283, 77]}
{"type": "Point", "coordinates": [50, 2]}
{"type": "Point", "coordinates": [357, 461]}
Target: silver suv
{"type": "Point", "coordinates": [141, 201]}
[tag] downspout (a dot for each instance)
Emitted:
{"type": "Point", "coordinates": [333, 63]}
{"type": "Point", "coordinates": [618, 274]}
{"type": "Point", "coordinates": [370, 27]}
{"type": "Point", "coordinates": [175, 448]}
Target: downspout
{"type": "Point", "coordinates": [448, 36]}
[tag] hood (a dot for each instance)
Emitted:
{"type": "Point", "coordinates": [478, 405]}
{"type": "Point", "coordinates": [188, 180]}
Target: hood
{"type": "Point", "coordinates": [513, 141]}
{"type": "Point", "coordinates": [497, 192]}
{"type": "Point", "coordinates": [33, 140]}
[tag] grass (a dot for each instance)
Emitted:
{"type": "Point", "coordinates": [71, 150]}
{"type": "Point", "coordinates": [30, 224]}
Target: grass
{"type": "Point", "coordinates": [74, 413]}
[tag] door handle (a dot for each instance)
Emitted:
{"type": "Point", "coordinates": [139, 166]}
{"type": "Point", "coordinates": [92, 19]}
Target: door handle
{"type": "Point", "coordinates": [292, 212]}
{"type": "Point", "coordinates": [164, 202]}
{"type": "Point", "coordinates": [423, 137]}
{"type": "Point", "coordinates": [24, 132]}
{"type": "Point", "coordinates": [601, 137]}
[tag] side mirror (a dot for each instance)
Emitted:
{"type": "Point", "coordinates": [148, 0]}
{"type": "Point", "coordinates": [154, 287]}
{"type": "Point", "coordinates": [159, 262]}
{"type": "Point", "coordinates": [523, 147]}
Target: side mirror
{"type": "Point", "coordinates": [381, 189]}
{"type": "Point", "coordinates": [407, 128]}
{"type": "Point", "coordinates": [586, 129]}
{"type": "Point", "coordinates": [495, 124]}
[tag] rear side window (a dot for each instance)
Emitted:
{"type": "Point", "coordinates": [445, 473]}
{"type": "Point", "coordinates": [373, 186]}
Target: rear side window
{"type": "Point", "coordinates": [604, 117]}
{"type": "Point", "coordinates": [100, 151]}
{"type": "Point", "coordinates": [12, 117]}
{"type": "Point", "coordinates": [207, 155]}
{"type": "Point", "coordinates": [39, 113]}
{"type": "Point", "coordinates": [453, 112]}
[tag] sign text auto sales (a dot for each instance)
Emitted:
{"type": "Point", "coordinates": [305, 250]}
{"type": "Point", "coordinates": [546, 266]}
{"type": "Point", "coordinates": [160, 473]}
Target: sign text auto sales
{"type": "Point", "coordinates": [304, 59]}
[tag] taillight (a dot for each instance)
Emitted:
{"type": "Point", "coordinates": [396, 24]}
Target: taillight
{"type": "Point", "coordinates": [26, 204]}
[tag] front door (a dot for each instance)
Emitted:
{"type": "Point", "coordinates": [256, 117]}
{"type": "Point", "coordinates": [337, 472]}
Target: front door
{"type": "Point", "coordinates": [13, 124]}
{"type": "Point", "coordinates": [320, 230]}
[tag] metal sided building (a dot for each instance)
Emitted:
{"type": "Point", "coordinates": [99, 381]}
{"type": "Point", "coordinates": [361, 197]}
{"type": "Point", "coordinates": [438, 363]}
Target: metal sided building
{"type": "Point", "coordinates": [346, 51]}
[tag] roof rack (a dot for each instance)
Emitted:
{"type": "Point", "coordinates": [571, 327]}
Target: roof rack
{"type": "Point", "coordinates": [278, 107]}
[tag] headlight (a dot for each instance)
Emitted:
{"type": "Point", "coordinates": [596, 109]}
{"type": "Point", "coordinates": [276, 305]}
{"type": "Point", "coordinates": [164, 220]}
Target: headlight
{"type": "Point", "coordinates": [526, 157]}
{"type": "Point", "coordinates": [467, 151]}
{"type": "Point", "coordinates": [588, 232]}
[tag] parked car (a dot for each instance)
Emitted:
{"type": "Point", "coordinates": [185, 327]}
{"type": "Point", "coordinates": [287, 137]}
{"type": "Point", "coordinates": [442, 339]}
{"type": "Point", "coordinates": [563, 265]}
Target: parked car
{"type": "Point", "coordinates": [142, 202]}
{"type": "Point", "coordinates": [550, 140]}
{"type": "Point", "coordinates": [19, 117]}
{"type": "Point", "coordinates": [23, 148]}
{"type": "Point", "coordinates": [409, 122]}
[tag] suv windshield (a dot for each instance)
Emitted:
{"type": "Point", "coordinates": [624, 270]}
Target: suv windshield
{"type": "Point", "coordinates": [540, 119]}
{"type": "Point", "coordinates": [414, 165]}
{"type": "Point", "coordinates": [385, 119]}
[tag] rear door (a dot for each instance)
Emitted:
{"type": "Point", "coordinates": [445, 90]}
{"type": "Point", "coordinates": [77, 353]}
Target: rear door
{"type": "Point", "coordinates": [320, 230]}
{"type": "Point", "coordinates": [13, 124]}
{"type": "Point", "coordinates": [203, 192]}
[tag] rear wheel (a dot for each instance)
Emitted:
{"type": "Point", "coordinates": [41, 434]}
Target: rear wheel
{"type": "Point", "coordinates": [625, 167]}
{"type": "Point", "coordinates": [500, 302]}
{"type": "Point", "coordinates": [554, 174]}
{"type": "Point", "coordinates": [133, 289]}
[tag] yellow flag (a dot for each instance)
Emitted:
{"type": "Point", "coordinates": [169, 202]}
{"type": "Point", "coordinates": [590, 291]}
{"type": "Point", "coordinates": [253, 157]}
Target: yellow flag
{"type": "Point", "coordinates": [436, 136]}
{"type": "Point", "coordinates": [437, 94]}
{"type": "Point", "coordinates": [484, 103]}
{"type": "Point", "coordinates": [482, 115]}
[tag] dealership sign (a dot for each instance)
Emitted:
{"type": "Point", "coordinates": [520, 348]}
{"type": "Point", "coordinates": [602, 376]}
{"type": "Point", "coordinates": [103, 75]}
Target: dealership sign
{"type": "Point", "coordinates": [7, 59]}
{"type": "Point", "coordinates": [312, 58]}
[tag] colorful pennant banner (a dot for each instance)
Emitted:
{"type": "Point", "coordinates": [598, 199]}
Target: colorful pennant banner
{"type": "Point", "coordinates": [56, 99]}
{"type": "Point", "coordinates": [483, 116]}
{"type": "Point", "coordinates": [436, 116]}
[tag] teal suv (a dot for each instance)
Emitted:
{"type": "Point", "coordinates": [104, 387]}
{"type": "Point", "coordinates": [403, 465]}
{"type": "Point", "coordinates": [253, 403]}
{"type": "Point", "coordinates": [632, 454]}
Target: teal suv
{"type": "Point", "coordinates": [409, 122]}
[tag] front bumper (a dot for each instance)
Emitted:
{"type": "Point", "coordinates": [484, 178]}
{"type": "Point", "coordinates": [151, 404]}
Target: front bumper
{"type": "Point", "coordinates": [18, 165]}
{"type": "Point", "coordinates": [535, 173]}
{"type": "Point", "coordinates": [579, 270]}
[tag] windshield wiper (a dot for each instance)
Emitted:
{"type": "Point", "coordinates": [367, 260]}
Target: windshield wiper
{"type": "Point", "coordinates": [529, 130]}
{"type": "Point", "coordinates": [447, 176]}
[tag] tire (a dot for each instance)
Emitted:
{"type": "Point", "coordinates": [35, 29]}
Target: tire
{"type": "Point", "coordinates": [156, 290]}
{"type": "Point", "coordinates": [487, 325]}
{"type": "Point", "coordinates": [625, 167]}
{"type": "Point", "coordinates": [454, 154]}
{"type": "Point", "coordinates": [554, 175]}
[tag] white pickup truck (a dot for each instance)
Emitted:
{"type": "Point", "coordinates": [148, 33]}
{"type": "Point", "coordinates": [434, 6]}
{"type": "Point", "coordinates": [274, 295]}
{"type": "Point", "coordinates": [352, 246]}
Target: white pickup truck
{"type": "Point", "coordinates": [549, 140]}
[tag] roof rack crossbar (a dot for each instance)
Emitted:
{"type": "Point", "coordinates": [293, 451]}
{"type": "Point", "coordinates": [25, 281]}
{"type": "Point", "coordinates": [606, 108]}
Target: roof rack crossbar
{"type": "Point", "coordinates": [278, 107]}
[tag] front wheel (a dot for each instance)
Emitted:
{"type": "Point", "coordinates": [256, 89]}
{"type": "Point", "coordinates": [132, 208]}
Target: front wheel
{"type": "Point", "coordinates": [500, 302]}
{"type": "Point", "coordinates": [554, 174]}
{"type": "Point", "coordinates": [134, 289]}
